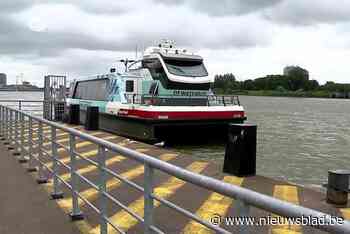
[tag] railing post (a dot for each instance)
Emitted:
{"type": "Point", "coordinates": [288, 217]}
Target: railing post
{"type": "Point", "coordinates": [57, 193]}
{"type": "Point", "coordinates": [16, 141]}
{"type": "Point", "coordinates": [102, 190]}
{"type": "Point", "coordinates": [1, 122]}
{"type": "Point", "coordinates": [6, 126]}
{"type": "Point", "coordinates": [148, 199]}
{"type": "Point", "coordinates": [41, 177]}
{"type": "Point", "coordinates": [76, 213]}
{"type": "Point", "coordinates": [243, 211]}
{"type": "Point", "coordinates": [31, 167]}
{"type": "Point", "coordinates": [23, 158]}
{"type": "Point", "coordinates": [10, 147]}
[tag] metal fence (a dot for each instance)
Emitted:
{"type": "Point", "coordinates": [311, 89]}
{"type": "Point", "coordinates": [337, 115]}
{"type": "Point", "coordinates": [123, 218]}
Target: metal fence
{"type": "Point", "coordinates": [35, 107]}
{"type": "Point", "coordinates": [174, 100]}
{"type": "Point", "coordinates": [54, 111]}
{"type": "Point", "coordinates": [15, 123]}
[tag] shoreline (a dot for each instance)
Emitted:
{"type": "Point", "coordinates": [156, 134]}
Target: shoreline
{"type": "Point", "coordinates": [296, 94]}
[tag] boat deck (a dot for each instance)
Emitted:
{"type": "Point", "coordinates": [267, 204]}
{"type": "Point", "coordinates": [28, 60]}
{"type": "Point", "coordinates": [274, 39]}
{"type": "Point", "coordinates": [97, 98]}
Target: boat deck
{"type": "Point", "coordinates": [202, 202]}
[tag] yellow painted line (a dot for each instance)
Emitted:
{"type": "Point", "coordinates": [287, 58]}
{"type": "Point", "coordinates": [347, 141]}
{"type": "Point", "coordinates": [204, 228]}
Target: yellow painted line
{"type": "Point", "coordinates": [82, 144]}
{"type": "Point", "coordinates": [58, 135]}
{"type": "Point", "coordinates": [84, 154]}
{"type": "Point", "coordinates": [34, 131]}
{"type": "Point", "coordinates": [125, 221]}
{"type": "Point", "coordinates": [82, 225]}
{"type": "Point", "coordinates": [114, 159]}
{"type": "Point", "coordinates": [67, 139]}
{"type": "Point", "coordinates": [346, 213]}
{"type": "Point", "coordinates": [91, 168]}
{"type": "Point", "coordinates": [91, 193]}
{"type": "Point", "coordinates": [66, 160]}
{"type": "Point", "coordinates": [287, 193]}
{"type": "Point", "coordinates": [216, 204]}
{"type": "Point", "coordinates": [86, 143]}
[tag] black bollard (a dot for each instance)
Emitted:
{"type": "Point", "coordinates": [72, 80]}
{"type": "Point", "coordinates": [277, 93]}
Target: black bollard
{"type": "Point", "coordinates": [338, 187]}
{"type": "Point", "coordinates": [74, 114]}
{"type": "Point", "coordinates": [240, 153]}
{"type": "Point", "coordinates": [92, 119]}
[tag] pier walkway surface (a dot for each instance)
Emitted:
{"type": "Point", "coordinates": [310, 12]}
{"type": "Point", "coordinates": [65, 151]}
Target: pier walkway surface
{"type": "Point", "coordinates": [26, 207]}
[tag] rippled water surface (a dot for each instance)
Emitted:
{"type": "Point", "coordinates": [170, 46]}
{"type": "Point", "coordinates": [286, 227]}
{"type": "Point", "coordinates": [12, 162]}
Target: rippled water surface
{"type": "Point", "coordinates": [298, 139]}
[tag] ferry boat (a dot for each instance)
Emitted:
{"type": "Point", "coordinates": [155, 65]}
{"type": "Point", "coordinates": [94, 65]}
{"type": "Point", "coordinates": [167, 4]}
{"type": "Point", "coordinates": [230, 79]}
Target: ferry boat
{"type": "Point", "coordinates": [165, 96]}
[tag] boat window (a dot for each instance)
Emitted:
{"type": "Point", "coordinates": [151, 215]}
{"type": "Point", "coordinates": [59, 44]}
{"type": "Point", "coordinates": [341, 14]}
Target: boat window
{"type": "Point", "coordinates": [153, 90]}
{"type": "Point", "coordinates": [155, 67]}
{"type": "Point", "coordinates": [129, 86]}
{"type": "Point", "coordinates": [92, 90]}
{"type": "Point", "coordinates": [72, 88]}
{"type": "Point", "coordinates": [135, 65]}
{"type": "Point", "coordinates": [192, 68]}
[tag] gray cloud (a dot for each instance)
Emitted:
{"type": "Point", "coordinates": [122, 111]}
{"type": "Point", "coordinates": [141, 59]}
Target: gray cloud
{"type": "Point", "coordinates": [193, 30]}
{"type": "Point", "coordinates": [223, 7]}
{"type": "Point", "coordinates": [96, 36]}
{"type": "Point", "coordinates": [18, 39]}
{"type": "Point", "coordinates": [301, 12]}
{"type": "Point", "coordinates": [14, 5]}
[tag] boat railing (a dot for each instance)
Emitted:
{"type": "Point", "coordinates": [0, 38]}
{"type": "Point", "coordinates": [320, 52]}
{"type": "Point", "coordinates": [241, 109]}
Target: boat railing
{"type": "Point", "coordinates": [173, 100]}
{"type": "Point", "coordinates": [36, 140]}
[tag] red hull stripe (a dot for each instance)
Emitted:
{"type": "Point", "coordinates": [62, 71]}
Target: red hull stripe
{"type": "Point", "coordinates": [181, 114]}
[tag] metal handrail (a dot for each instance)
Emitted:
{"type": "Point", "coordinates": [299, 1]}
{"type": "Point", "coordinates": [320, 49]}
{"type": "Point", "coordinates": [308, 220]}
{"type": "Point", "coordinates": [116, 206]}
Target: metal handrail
{"type": "Point", "coordinates": [209, 100]}
{"type": "Point", "coordinates": [244, 197]}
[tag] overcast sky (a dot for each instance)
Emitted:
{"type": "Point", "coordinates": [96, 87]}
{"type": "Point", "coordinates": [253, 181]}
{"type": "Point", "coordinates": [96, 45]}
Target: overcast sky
{"type": "Point", "coordinates": [250, 38]}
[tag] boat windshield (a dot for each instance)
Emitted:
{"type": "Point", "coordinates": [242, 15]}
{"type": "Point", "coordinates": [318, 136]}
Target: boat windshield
{"type": "Point", "coordinates": [192, 68]}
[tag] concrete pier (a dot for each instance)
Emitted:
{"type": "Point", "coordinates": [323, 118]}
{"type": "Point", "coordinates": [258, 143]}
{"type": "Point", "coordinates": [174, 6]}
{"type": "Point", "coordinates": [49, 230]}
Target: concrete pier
{"type": "Point", "coordinates": [24, 206]}
{"type": "Point", "coordinates": [26, 202]}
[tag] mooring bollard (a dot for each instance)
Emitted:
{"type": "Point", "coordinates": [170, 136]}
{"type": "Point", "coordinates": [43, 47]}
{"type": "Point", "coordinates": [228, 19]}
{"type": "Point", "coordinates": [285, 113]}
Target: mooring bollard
{"type": "Point", "coordinates": [240, 153]}
{"type": "Point", "coordinates": [338, 187]}
{"type": "Point", "coordinates": [74, 114]}
{"type": "Point", "coordinates": [92, 119]}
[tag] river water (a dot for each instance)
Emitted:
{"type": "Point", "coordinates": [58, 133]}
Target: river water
{"type": "Point", "coordinates": [299, 139]}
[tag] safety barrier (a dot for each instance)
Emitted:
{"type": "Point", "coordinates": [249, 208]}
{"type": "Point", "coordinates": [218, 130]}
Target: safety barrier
{"type": "Point", "coordinates": [14, 123]}
{"type": "Point", "coordinates": [32, 106]}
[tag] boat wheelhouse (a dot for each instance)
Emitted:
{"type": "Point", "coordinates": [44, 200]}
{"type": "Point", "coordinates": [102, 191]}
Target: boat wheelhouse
{"type": "Point", "coordinates": [164, 96]}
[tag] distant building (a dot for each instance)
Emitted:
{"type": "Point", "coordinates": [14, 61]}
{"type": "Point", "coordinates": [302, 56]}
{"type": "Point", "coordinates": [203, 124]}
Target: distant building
{"type": "Point", "coordinates": [26, 83]}
{"type": "Point", "coordinates": [287, 71]}
{"type": "Point", "coordinates": [3, 79]}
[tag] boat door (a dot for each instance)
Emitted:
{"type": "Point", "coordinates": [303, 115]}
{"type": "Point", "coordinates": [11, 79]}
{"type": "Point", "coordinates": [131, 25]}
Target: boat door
{"type": "Point", "coordinates": [132, 89]}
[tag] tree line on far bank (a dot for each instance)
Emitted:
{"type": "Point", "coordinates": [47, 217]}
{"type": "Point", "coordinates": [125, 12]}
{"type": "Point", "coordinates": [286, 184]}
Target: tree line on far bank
{"type": "Point", "coordinates": [294, 79]}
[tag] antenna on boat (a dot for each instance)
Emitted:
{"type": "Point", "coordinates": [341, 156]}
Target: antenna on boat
{"type": "Point", "coordinates": [126, 62]}
{"type": "Point", "coordinates": [136, 52]}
